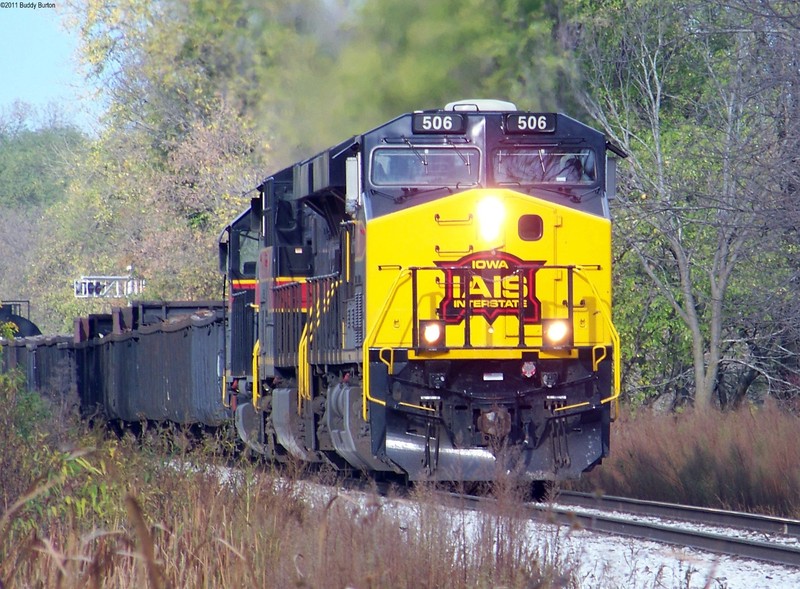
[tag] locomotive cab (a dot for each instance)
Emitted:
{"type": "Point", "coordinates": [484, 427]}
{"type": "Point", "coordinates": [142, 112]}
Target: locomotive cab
{"type": "Point", "coordinates": [239, 247]}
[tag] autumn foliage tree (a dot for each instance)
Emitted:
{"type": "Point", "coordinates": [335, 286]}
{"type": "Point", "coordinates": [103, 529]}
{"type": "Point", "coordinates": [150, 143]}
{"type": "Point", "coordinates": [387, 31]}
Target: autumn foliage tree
{"type": "Point", "coordinates": [682, 87]}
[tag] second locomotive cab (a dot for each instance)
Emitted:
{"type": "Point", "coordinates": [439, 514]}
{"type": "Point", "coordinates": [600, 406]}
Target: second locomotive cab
{"type": "Point", "coordinates": [430, 298]}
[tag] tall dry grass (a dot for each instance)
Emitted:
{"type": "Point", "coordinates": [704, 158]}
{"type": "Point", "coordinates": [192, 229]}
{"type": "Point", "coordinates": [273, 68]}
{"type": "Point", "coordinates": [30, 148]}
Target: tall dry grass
{"type": "Point", "coordinates": [111, 512]}
{"type": "Point", "coordinates": [80, 509]}
{"type": "Point", "coordinates": [746, 460]}
{"type": "Point", "coordinates": [198, 529]}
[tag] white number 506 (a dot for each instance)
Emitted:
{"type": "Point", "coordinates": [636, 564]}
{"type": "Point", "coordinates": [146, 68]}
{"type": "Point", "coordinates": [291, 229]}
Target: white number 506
{"type": "Point", "coordinates": [437, 123]}
{"type": "Point", "coordinates": [532, 123]}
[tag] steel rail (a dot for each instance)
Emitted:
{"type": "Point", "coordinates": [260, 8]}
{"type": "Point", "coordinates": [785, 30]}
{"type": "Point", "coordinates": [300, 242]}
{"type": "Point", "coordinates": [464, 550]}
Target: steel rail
{"type": "Point", "coordinates": [713, 542]}
{"type": "Point", "coordinates": [774, 553]}
{"type": "Point", "coordinates": [702, 515]}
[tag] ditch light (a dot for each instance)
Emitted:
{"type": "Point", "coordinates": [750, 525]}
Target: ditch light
{"type": "Point", "coordinates": [432, 335]}
{"type": "Point", "coordinates": [556, 334]}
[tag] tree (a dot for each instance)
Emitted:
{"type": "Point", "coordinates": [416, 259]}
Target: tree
{"type": "Point", "coordinates": [673, 84]}
{"type": "Point", "coordinates": [34, 157]}
{"type": "Point", "coordinates": [404, 55]}
{"type": "Point", "coordinates": [771, 313]}
{"type": "Point", "coordinates": [172, 65]}
{"type": "Point", "coordinates": [36, 153]}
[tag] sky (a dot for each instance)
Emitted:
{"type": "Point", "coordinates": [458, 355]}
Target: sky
{"type": "Point", "coordinates": [39, 63]}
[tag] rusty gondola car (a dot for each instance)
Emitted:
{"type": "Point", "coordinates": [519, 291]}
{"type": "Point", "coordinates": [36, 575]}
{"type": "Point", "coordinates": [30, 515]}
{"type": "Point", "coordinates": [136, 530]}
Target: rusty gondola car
{"type": "Point", "coordinates": [150, 361]}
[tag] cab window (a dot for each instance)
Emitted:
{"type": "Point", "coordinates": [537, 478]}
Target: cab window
{"type": "Point", "coordinates": [247, 258]}
{"type": "Point", "coordinates": [244, 248]}
{"type": "Point", "coordinates": [425, 166]}
{"type": "Point", "coordinates": [544, 165]}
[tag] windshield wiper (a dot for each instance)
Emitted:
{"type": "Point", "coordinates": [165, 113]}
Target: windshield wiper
{"type": "Point", "coordinates": [576, 197]}
{"type": "Point", "coordinates": [458, 151]}
{"type": "Point", "coordinates": [386, 195]}
{"type": "Point", "coordinates": [409, 192]}
{"type": "Point", "coordinates": [416, 153]}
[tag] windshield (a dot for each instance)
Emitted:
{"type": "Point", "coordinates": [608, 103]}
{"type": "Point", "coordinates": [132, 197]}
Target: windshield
{"type": "Point", "coordinates": [544, 165]}
{"type": "Point", "coordinates": [245, 247]}
{"type": "Point", "coordinates": [248, 254]}
{"type": "Point", "coordinates": [424, 166]}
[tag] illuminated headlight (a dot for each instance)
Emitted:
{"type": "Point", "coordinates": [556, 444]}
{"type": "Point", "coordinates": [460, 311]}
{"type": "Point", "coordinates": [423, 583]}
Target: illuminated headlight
{"type": "Point", "coordinates": [431, 335]}
{"type": "Point", "coordinates": [556, 333]}
{"type": "Point", "coordinates": [491, 215]}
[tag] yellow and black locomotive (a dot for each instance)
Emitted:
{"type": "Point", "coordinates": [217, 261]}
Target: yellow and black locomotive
{"type": "Point", "coordinates": [430, 298]}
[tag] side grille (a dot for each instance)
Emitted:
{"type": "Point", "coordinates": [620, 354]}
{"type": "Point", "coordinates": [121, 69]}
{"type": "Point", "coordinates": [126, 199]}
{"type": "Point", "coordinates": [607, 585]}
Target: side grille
{"type": "Point", "coordinates": [242, 328]}
{"type": "Point", "coordinates": [354, 322]}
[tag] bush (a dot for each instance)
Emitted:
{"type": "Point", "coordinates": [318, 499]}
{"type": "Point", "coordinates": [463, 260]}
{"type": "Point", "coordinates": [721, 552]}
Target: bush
{"type": "Point", "coordinates": [20, 414]}
{"type": "Point", "coordinates": [746, 460]}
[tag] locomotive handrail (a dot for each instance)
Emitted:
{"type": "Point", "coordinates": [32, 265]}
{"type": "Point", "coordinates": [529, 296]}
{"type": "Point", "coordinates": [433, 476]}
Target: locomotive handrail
{"type": "Point", "coordinates": [465, 273]}
{"type": "Point", "coordinates": [256, 381]}
{"type": "Point", "coordinates": [369, 341]}
{"type": "Point", "coordinates": [327, 286]}
{"type": "Point", "coordinates": [606, 314]}
{"type": "Point", "coordinates": [604, 311]}
{"type": "Point", "coordinates": [303, 369]}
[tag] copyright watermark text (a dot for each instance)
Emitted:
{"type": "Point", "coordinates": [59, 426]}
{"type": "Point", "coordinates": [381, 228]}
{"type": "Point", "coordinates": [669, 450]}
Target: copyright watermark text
{"type": "Point", "coordinates": [28, 5]}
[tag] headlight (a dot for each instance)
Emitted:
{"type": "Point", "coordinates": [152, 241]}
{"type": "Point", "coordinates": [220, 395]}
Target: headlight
{"type": "Point", "coordinates": [491, 215]}
{"type": "Point", "coordinates": [431, 335]}
{"type": "Point", "coordinates": [556, 333]}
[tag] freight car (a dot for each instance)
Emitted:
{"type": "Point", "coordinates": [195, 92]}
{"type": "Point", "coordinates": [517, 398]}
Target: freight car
{"type": "Point", "coordinates": [17, 313]}
{"type": "Point", "coordinates": [431, 298]}
{"type": "Point", "coordinates": [150, 361]}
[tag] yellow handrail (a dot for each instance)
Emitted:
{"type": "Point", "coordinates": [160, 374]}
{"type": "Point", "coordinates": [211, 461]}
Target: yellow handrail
{"type": "Point", "coordinates": [368, 343]}
{"type": "Point", "coordinates": [256, 384]}
{"type": "Point", "coordinates": [605, 312]}
{"type": "Point", "coordinates": [303, 369]}
{"type": "Point", "coordinates": [225, 389]}
{"type": "Point", "coordinates": [304, 366]}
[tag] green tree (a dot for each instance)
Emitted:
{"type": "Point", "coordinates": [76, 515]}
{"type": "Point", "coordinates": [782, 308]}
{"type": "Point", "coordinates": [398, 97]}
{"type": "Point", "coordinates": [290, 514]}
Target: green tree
{"type": "Point", "coordinates": [411, 54]}
{"type": "Point", "coordinates": [34, 158]}
{"type": "Point", "coordinates": [37, 150]}
{"type": "Point", "coordinates": [673, 83]}
{"type": "Point", "coordinates": [171, 66]}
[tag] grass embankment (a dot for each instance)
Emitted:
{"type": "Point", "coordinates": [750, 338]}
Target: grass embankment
{"type": "Point", "coordinates": [748, 460]}
{"type": "Point", "coordinates": [117, 516]}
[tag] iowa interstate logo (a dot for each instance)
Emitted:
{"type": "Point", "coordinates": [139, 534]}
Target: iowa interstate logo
{"type": "Point", "coordinates": [491, 284]}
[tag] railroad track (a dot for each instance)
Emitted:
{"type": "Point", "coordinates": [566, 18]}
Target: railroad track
{"type": "Point", "coordinates": [703, 515]}
{"type": "Point", "coordinates": [712, 530]}
{"type": "Point", "coordinates": [681, 525]}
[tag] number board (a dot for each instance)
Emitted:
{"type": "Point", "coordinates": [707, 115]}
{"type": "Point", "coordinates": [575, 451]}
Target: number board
{"type": "Point", "coordinates": [438, 123]}
{"type": "Point", "coordinates": [531, 122]}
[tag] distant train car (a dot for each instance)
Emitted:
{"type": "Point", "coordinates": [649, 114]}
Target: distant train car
{"type": "Point", "coordinates": [430, 298]}
{"type": "Point", "coordinates": [150, 361]}
{"type": "Point", "coordinates": [12, 312]}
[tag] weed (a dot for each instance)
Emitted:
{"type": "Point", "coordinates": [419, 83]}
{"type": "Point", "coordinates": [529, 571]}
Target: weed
{"type": "Point", "coordinates": [747, 460]}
